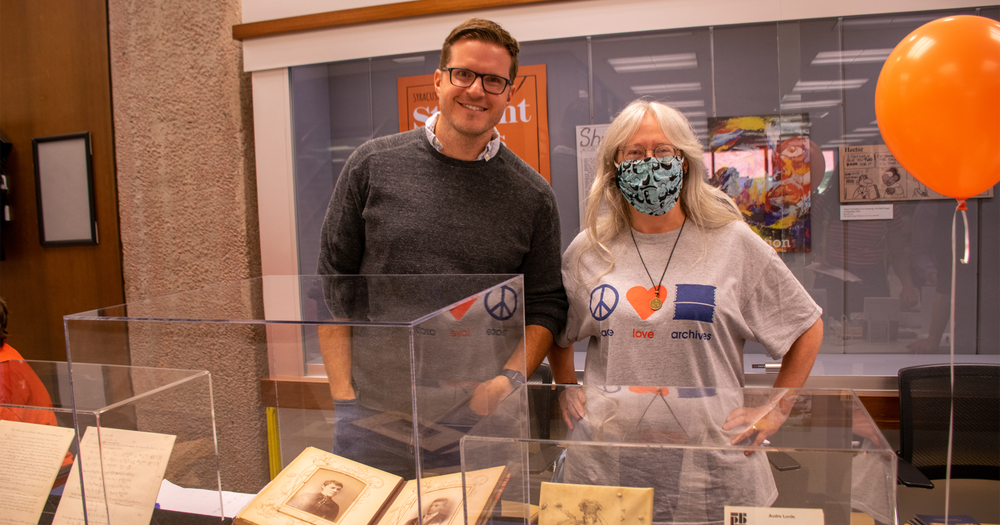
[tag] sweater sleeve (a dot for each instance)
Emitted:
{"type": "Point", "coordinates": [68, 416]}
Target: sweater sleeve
{"type": "Point", "coordinates": [545, 297]}
{"type": "Point", "coordinates": [342, 240]}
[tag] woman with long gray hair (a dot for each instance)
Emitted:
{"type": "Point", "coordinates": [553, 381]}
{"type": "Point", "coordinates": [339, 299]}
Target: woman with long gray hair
{"type": "Point", "coordinates": [668, 282]}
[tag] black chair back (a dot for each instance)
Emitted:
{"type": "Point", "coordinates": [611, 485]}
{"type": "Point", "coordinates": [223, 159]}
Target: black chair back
{"type": "Point", "coordinates": [924, 409]}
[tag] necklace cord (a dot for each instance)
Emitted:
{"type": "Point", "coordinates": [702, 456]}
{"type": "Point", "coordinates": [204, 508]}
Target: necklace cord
{"type": "Point", "coordinates": [656, 286]}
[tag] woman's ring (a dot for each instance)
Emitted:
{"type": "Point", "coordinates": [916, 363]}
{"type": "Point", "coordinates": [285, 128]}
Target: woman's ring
{"type": "Point", "coordinates": [754, 428]}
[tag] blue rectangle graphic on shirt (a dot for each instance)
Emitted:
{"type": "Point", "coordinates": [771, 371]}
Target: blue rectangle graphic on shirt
{"type": "Point", "coordinates": [694, 302]}
{"type": "Point", "coordinates": [695, 293]}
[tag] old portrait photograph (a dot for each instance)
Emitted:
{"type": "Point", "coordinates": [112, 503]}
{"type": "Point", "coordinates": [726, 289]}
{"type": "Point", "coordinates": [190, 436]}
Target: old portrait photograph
{"type": "Point", "coordinates": [327, 495]}
{"type": "Point", "coordinates": [439, 507]}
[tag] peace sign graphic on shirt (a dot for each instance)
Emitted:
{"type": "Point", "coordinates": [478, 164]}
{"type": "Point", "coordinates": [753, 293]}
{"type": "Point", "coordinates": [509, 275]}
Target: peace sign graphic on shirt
{"type": "Point", "coordinates": [603, 301]}
{"type": "Point", "coordinates": [505, 305]}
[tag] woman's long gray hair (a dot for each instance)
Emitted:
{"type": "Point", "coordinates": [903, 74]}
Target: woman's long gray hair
{"type": "Point", "coordinates": [608, 211]}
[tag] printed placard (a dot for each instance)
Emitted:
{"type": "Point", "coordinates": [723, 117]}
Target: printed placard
{"type": "Point", "coordinates": [866, 212]}
{"type": "Point", "coordinates": [772, 516]}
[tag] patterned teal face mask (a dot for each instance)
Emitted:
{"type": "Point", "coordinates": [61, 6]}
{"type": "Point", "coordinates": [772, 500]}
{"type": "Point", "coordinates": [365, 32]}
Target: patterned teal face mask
{"type": "Point", "coordinates": [651, 185]}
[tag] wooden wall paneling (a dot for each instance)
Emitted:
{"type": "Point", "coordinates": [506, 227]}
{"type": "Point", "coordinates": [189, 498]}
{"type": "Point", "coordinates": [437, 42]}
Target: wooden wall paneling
{"type": "Point", "coordinates": [54, 80]}
{"type": "Point", "coordinates": [363, 15]}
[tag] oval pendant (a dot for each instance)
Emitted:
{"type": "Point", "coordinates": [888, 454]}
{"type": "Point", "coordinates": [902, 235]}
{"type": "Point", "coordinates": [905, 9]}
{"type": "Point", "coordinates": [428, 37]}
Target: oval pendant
{"type": "Point", "coordinates": [656, 303]}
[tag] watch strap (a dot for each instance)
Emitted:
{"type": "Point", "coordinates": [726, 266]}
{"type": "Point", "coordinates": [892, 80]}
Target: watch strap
{"type": "Point", "coordinates": [516, 378]}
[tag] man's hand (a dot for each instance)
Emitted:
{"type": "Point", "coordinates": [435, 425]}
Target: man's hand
{"type": "Point", "coordinates": [489, 394]}
{"type": "Point", "coordinates": [572, 401]}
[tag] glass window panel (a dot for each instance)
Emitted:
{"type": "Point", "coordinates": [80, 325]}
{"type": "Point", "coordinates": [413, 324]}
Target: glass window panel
{"type": "Point", "coordinates": [831, 67]}
{"type": "Point", "coordinates": [987, 244]}
{"type": "Point", "coordinates": [674, 67]}
{"type": "Point", "coordinates": [746, 70]}
{"type": "Point", "coordinates": [567, 77]}
{"type": "Point", "coordinates": [825, 70]}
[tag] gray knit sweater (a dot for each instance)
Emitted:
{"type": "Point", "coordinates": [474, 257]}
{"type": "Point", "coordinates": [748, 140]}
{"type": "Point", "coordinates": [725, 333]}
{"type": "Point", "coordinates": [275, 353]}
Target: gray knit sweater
{"type": "Point", "coordinates": [401, 207]}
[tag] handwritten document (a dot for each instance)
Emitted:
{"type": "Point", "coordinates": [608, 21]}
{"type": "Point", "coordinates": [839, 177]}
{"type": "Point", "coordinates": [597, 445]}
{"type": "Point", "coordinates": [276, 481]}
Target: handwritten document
{"type": "Point", "coordinates": [122, 471]}
{"type": "Point", "coordinates": [30, 457]}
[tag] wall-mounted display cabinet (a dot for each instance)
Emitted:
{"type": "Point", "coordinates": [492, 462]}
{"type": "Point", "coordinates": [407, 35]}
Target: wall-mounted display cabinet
{"type": "Point", "coordinates": [883, 284]}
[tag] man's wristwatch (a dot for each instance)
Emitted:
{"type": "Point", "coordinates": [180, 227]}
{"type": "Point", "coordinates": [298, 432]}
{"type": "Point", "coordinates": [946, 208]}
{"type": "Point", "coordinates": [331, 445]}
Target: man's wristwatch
{"type": "Point", "coordinates": [516, 378]}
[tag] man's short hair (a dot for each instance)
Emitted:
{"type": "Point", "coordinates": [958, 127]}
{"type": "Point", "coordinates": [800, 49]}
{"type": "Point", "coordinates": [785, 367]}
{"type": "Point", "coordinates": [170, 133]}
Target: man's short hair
{"type": "Point", "coordinates": [332, 482]}
{"type": "Point", "coordinates": [484, 31]}
{"type": "Point", "coordinates": [3, 322]}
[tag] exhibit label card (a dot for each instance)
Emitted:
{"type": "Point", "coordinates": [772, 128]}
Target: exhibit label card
{"type": "Point", "coordinates": [772, 516]}
{"type": "Point", "coordinates": [30, 457]}
{"type": "Point", "coordinates": [866, 212]}
{"type": "Point", "coordinates": [123, 468]}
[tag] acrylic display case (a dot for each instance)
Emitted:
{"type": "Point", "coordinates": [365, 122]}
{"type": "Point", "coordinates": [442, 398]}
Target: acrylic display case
{"type": "Point", "coordinates": [822, 453]}
{"type": "Point", "coordinates": [422, 353]}
{"type": "Point", "coordinates": [116, 431]}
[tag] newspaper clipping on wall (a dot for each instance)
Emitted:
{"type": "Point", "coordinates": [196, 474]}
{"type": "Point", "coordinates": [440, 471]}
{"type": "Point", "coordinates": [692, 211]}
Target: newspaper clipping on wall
{"type": "Point", "coordinates": [588, 139]}
{"type": "Point", "coordinates": [871, 174]}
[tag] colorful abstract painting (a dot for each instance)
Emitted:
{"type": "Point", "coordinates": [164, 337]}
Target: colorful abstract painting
{"type": "Point", "coordinates": [762, 162]}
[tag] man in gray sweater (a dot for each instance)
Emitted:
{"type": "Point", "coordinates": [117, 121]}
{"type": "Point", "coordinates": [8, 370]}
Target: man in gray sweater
{"type": "Point", "coordinates": [448, 198]}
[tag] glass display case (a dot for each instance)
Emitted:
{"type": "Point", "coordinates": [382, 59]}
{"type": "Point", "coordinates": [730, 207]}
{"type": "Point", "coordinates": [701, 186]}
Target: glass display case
{"type": "Point", "coordinates": [687, 455]}
{"type": "Point", "coordinates": [107, 435]}
{"type": "Point", "coordinates": [414, 362]}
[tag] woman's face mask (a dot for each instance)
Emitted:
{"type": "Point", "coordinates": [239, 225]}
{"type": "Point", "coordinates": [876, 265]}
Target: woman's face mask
{"type": "Point", "coordinates": [651, 185]}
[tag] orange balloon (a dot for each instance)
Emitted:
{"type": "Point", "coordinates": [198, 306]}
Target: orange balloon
{"type": "Point", "coordinates": [938, 104]}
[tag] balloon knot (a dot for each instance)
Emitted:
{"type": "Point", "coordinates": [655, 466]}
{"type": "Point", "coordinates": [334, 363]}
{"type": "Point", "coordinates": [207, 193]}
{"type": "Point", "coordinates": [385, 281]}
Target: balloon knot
{"type": "Point", "coordinates": [961, 205]}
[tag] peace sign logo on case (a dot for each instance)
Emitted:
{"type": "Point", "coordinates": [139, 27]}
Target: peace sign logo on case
{"type": "Point", "coordinates": [603, 301]}
{"type": "Point", "coordinates": [502, 307]}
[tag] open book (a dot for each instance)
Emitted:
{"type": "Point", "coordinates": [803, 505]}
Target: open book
{"type": "Point", "coordinates": [321, 488]}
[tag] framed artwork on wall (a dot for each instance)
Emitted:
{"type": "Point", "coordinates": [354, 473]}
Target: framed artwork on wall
{"type": "Point", "coordinates": [64, 189]}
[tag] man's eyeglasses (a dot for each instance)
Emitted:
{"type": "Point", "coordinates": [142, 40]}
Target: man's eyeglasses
{"type": "Point", "coordinates": [463, 78]}
{"type": "Point", "coordinates": [637, 152]}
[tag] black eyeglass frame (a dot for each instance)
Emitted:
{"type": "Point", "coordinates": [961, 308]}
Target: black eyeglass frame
{"type": "Point", "coordinates": [451, 78]}
{"type": "Point", "coordinates": [676, 150]}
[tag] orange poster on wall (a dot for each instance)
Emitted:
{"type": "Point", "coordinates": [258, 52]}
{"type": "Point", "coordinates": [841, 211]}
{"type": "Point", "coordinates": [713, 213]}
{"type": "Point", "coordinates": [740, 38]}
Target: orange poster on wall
{"type": "Point", "coordinates": [524, 127]}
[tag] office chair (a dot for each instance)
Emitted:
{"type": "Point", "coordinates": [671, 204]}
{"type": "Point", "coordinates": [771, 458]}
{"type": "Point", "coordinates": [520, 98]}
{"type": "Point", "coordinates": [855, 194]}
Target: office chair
{"type": "Point", "coordinates": [924, 407]}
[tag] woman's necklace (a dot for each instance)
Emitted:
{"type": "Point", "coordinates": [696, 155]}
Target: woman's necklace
{"type": "Point", "coordinates": [656, 303]}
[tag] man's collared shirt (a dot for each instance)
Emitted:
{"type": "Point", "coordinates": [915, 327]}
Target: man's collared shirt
{"type": "Point", "coordinates": [492, 148]}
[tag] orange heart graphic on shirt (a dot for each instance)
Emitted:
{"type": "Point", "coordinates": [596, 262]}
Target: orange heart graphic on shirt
{"type": "Point", "coordinates": [640, 297]}
{"type": "Point", "coordinates": [660, 391]}
{"type": "Point", "coordinates": [459, 311]}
